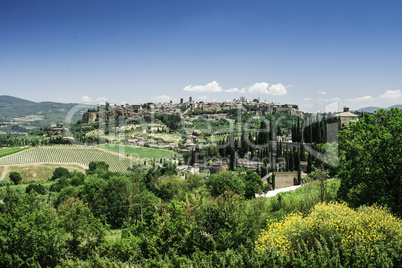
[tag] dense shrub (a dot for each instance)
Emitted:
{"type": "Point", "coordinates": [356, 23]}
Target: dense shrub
{"type": "Point", "coordinates": [334, 228]}
{"type": "Point", "coordinates": [6, 183]}
{"type": "Point", "coordinates": [15, 177]}
{"type": "Point", "coordinates": [37, 187]}
{"type": "Point", "coordinates": [60, 172]}
{"type": "Point", "coordinates": [221, 182]}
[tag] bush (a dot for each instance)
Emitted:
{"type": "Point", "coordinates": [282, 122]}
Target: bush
{"type": "Point", "coordinates": [334, 228]}
{"type": "Point", "coordinates": [60, 172]}
{"type": "Point", "coordinates": [225, 181]}
{"type": "Point", "coordinates": [39, 188]}
{"type": "Point", "coordinates": [15, 177]}
{"type": "Point", "coordinates": [59, 184]}
{"type": "Point", "coordinates": [6, 183]}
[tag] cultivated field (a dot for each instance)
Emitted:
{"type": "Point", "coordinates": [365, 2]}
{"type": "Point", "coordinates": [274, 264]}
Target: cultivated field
{"type": "Point", "coordinates": [12, 150]}
{"type": "Point", "coordinates": [81, 155]}
{"type": "Point", "coordinates": [139, 152]}
{"type": "Point", "coordinates": [167, 137]}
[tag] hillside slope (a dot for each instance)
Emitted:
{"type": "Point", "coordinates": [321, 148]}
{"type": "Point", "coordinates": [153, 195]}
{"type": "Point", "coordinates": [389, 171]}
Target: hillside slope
{"type": "Point", "coordinates": [25, 115]}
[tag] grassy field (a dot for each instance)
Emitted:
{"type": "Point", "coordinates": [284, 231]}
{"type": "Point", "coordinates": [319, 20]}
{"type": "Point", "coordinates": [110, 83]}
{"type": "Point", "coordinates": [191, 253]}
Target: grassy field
{"type": "Point", "coordinates": [168, 137]}
{"type": "Point", "coordinates": [82, 155]}
{"type": "Point", "coordinates": [12, 150]}
{"type": "Point", "coordinates": [139, 152]}
{"type": "Point", "coordinates": [39, 171]}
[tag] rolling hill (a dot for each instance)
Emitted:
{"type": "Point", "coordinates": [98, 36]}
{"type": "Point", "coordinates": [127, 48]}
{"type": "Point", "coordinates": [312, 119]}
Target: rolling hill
{"type": "Point", "coordinates": [25, 115]}
{"type": "Point", "coordinates": [373, 109]}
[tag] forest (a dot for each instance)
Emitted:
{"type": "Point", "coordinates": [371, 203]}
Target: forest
{"type": "Point", "coordinates": [147, 216]}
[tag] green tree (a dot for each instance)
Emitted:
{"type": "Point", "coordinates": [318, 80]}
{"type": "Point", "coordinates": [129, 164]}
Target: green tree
{"type": "Point", "coordinates": [193, 181]}
{"type": "Point", "coordinates": [299, 180]}
{"type": "Point", "coordinates": [233, 159]}
{"type": "Point", "coordinates": [93, 192]}
{"type": "Point", "coordinates": [15, 177]}
{"type": "Point", "coordinates": [370, 164]}
{"type": "Point", "coordinates": [37, 187]}
{"type": "Point", "coordinates": [309, 163]}
{"type": "Point", "coordinates": [220, 182]}
{"type": "Point", "coordinates": [253, 184]}
{"type": "Point", "coordinates": [60, 172]}
{"type": "Point", "coordinates": [85, 231]}
{"type": "Point", "coordinates": [29, 232]}
{"type": "Point", "coordinates": [100, 168]}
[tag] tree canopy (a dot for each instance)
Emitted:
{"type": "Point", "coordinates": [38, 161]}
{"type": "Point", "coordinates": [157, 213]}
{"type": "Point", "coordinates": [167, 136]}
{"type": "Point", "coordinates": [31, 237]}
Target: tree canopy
{"type": "Point", "coordinates": [370, 160]}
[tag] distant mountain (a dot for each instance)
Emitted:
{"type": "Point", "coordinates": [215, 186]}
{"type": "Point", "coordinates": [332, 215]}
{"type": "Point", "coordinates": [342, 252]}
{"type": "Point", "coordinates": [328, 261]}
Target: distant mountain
{"type": "Point", "coordinates": [368, 109]}
{"type": "Point", "coordinates": [30, 115]}
{"type": "Point", "coordinates": [9, 100]}
{"type": "Point", "coordinates": [399, 106]}
{"type": "Point", "coordinates": [373, 109]}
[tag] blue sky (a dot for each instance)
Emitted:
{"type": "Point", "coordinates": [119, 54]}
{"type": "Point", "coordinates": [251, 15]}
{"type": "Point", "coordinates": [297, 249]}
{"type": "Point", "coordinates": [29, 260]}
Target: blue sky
{"type": "Point", "coordinates": [304, 52]}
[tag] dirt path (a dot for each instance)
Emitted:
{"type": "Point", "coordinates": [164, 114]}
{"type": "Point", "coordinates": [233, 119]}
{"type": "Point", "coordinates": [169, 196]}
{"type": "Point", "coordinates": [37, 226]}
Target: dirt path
{"type": "Point", "coordinates": [4, 173]}
{"type": "Point", "coordinates": [277, 191]}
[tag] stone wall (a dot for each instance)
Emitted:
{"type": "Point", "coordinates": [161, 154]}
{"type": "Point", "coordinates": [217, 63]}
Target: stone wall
{"type": "Point", "coordinates": [284, 179]}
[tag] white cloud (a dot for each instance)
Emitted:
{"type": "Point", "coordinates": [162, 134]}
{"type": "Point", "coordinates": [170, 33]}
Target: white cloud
{"type": "Point", "coordinates": [257, 88]}
{"type": "Point", "coordinates": [161, 98]}
{"type": "Point", "coordinates": [388, 98]}
{"type": "Point", "coordinates": [86, 99]}
{"type": "Point", "coordinates": [277, 89]}
{"type": "Point", "coordinates": [236, 90]}
{"type": "Point", "coordinates": [363, 99]}
{"type": "Point", "coordinates": [307, 99]}
{"type": "Point", "coordinates": [232, 90]}
{"type": "Point", "coordinates": [322, 92]}
{"type": "Point", "coordinates": [101, 100]}
{"type": "Point", "coordinates": [264, 88]}
{"type": "Point", "coordinates": [391, 94]}
{"type": "Point", "coordinates": [260, 88]}
{"type": "Point", "coordinates": [203, 98]}
{"type": "Point", "coordinates": [210, 87]}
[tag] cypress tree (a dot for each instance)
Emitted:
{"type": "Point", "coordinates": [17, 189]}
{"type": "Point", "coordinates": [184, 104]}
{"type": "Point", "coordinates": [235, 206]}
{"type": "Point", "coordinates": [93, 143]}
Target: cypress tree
{"type": "Point", "coordinates": [298, 130]}
{"type": "Point", "coordinates": [323, 129]}
{"type": "Point", "coordinates": [310, 129]}
{"type": "Point", "coordinates": [309, 164]}
{"type": "Point", "coordinates": [302, 153]}
{"type": "Point", "coordinates": [299, 175]}
{"type": "Point", "coordinates": [263, 171]}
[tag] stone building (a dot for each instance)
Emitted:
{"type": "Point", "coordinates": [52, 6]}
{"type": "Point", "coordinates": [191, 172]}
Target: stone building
{"type": "Point", "coordinates": [347, 116]}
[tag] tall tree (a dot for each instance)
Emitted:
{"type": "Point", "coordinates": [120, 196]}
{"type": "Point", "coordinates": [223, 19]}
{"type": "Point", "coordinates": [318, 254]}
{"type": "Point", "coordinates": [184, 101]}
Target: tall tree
{"type": "Point", "coordinates": [370, 166]}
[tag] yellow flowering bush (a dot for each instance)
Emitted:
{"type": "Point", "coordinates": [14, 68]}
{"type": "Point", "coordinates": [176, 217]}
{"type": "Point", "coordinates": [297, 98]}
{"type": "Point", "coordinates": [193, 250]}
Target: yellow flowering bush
{"type": "Point", "coordinates": [335, 223]}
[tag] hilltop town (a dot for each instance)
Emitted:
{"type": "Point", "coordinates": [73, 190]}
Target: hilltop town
{"type": "Point", "coordinates": [183, 107]}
